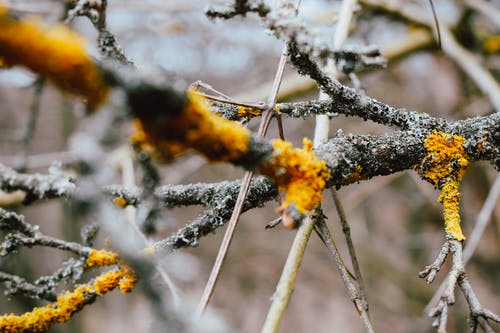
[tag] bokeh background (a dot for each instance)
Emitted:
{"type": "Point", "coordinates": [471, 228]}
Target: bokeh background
{"type": "Point", "coordinates": [396, 222]}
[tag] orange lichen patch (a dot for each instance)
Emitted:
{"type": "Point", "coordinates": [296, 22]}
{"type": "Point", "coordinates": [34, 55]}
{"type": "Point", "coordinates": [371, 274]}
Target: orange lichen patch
{"type": "Point", "coordinates": [56, 53]}
{"type": "Point", "coordinates": [248, 112]}
{"type": "Point", "coordinates": [446, 158]}
{"type": "Point", "coordinates": [492, 44]}
{"type": "Point", "coordinates": [194, 127]}
{"type": "Point", "coordinates": [41, 318]}
{"type": "Point", "coordinates": [299, 173]}
{"type": "Point", "coordinates": [356, 176]}
{"type": "Point", "coordinates": [444, 167]}
{"type": "Point", "coordinates": [103, 283]}
{"type": "Point", "coordinates": [450, 199]}
{"type": "Point", "coordinates": [128, 281]}
{"type": "Point", "coordinates": [124, 277]}
{"type": "Point", "coordinates": [120, 201]}
{"type": "Point", "coordinates": [101, 258]}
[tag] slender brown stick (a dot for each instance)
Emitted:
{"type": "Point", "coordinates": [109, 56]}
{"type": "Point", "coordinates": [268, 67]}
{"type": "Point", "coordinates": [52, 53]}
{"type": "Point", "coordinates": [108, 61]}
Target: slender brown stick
{"type": "Point", "coordinates": [247, 178]}
{"type": "Point", "coordinates": [321, 135]}
{"type": "Point", "coordinates": [462, 57]}
{"type": "Point", "coordinates": [436, 21]}
{"type": "Point", "coordinates": [481, 222]}
{"type": "Point", "coordinates": [285, 286]}
{"type": "Point", "coordinates": [346, 229]}
{"type": "Point", "coordinates": [324, 233]}
{"type": "Point", "coordinates": [224, 247]}
{"type": "Point", "coordinates": [22, 157]}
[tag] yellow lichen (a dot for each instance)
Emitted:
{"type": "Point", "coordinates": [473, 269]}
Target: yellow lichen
{"type": "Point", "coordinates": [356, 176]}
{"type": "Point", "coordinates": [446, 157]}
{"type": "Point", "coordinates": [450, 199]}
{"type": "Point", "coordinates": [41, 318]}
{"type": "Point", "coordinates": [491, 44]}
{"type": "Point", "coordinates": [56, 53]}
{"type": "Point", "coordinates": [444, 166]}
{"type": "Point", "coordinates": [195, 127]}
{"type": "Point", "coordinates": [103, 283]}
{"type": "Point", "coordinates": [129, 279]}
{"type": "Point", "coordinates": [120, 201]}
{"type": "Point", "coordinates": [299, 173]}
{"type": "Point", "coordinates": [248, 112]}
{"type": "Point", "coordinates": [101, 258]}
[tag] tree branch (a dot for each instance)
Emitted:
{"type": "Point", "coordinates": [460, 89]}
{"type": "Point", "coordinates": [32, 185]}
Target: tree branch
{"type": "Point", "coordinates": [37, 186]}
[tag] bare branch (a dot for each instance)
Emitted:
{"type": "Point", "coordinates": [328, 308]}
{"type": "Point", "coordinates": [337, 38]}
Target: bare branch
{"type": "Point", "coordinates": [468, 62]}
{"type": "Point", "coordinates": [37, 186]}
{"type": "Point", "coordinates": [457, 276]}
{"type": "Point", "coordinates": [260, 191]}
{"type": "Point", "coordinates": [17, 285]}
{"type": "Point", "coordinates": [284, 289]}
{"type": "Point", "coordinates": [240, 7]}
{"type": "Point", "coordinates": [352, 287]}
{"type": "Point", "coordinates": [95, 10]}
{"type": "Point", "coordinates": [22, 234]}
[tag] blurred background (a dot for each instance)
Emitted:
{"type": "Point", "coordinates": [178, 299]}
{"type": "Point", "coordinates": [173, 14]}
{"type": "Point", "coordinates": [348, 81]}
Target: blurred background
{"type": "Point", "coordinates": [397, 225]}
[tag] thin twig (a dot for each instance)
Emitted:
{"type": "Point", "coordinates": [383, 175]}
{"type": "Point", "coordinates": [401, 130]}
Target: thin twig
{"type": "Point", "coordinates": [487, 9]}
{"type": "Point", "coordinates": [339, 38]}
{"type": "Point", "coordinates": [128, 179]}
{"type": "Point", "coordinates": [482, 219]}
{"type": "Point", "coordinates": [284, 289]}
{"type": "Point", "coordinates": [224, 247]}
{"type": "Point", "coordinates": [22, 158]}
{"type": "Point", "coordinates": [19, 285]}
{"type": "Point", "coordinates": [37, 186]}
{"type": "Point", "coordinates": [106, 41]}
{"type": "Point", "coordinates": [287, 281]}
{"type": "Point", "coordinates": [467, 61]}
{"type": "Point", "coordinates": [321, 136]}
{"type": "Point", "coordinates": [324, 233]}
{"type": "Point", "coordinates": [436, 21]}
{"type": "Point", "coordinates": [457, 276]}
{"type": "Point", "coordinates": [247, 178]}
{"type": "Point", "coordinates": [481, 222]}
{"type": "Point", "coordinates": [322, 125]}
{"type": "Point", "coordinates": [352, 252]}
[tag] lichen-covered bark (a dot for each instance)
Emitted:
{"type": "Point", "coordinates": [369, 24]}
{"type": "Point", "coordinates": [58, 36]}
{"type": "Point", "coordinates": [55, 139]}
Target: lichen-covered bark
{"type": "Point", "coordinates": [221, 197]}
{"type": "Point", "coordinates": [36, 186]}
